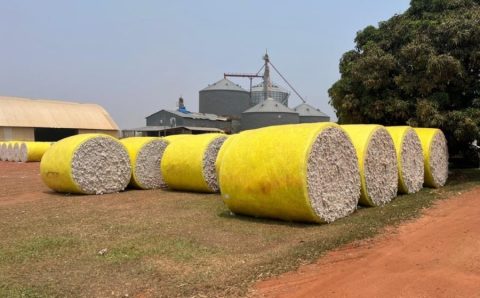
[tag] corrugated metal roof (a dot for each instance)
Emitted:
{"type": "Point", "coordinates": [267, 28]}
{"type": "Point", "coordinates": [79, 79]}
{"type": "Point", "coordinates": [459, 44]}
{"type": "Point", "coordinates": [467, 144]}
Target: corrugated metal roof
{"type": "Point", "coordinates": [24, 112]}
{"type": "Point", "coordinates": [274, 87]}
{"type": "Point", "coordinates": [305, 109]}
{"type": "Point", "coordinates": [224, 84]}
{"type": "Point", "coordinates": [198, 115]}
{"type": "Point", "coordinates": [270, 106]}
{"type": "Point", "coordinates": [159, 128]}
{"type": "Point", "coordinates": [203, 128]}
{"type": "Point", "coordinates": [148, 128]}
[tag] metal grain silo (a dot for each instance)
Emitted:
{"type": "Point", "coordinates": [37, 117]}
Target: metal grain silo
{"type": "Point", "coordinates": [309, 114]}
{"type": "Point", "coordinates": [274, 91]}
{"type": "Point", "coordinates": [266, 113]}
{"type": "Point", "coordinates": [224, 98]}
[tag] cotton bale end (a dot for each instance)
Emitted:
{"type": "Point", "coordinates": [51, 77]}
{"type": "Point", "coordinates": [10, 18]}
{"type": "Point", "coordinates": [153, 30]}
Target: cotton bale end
{"type": "Point", "coordinates": [435, 153]}
{"type": "Point", "coordinates": [409, 157]}
{"type": "Point", "coordinates": [145, 157]}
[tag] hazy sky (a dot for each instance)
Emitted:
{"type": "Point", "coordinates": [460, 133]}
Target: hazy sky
{"type": "Point", "coordinates": [137, 57]}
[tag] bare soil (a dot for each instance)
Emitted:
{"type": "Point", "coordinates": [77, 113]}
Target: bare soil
{"type": "Point", "coordinates": [437, 255]}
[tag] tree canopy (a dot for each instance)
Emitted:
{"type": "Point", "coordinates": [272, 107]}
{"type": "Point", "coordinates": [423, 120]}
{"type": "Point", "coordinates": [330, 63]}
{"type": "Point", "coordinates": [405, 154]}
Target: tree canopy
{"type": "Point", "coordinates": [420, 68]}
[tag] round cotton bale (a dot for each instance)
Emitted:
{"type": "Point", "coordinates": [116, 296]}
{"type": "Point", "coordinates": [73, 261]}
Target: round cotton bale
{"type": "Point", "coordinates": [377, 162]}
{"type": "Point", "coordinates": [16, 152]}
{"type": "Point", "coordinates": [86, 164]}
{"type": "Point", "coordinates": [189, 163]}
{"type": "Point", "coordinates": [3, 148]}
{"type": "Point", "coordinates": [409, 158]}
{"type": "Point", "coordinates": [435, 154]}
{"type": "Point", "coordinates": [145, 156]}
{"type": "Point", "coordinates": [302, 172]}
{"type": "Point", "coordinates": [11, 151]}
{"type": "Point", "coordinates": [33, 151]}
{"type": "Point", "coordinates": [5, 151]}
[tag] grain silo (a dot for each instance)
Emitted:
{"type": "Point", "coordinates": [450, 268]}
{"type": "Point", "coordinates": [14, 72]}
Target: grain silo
{"type": "Point", "coordinates": [274, 91]}
{"type": "Point", "coordinates": [266, 113]}
{"type": "Point", "coordinates": [309, 114]}
{"type": "Point", "coordinates": [224, 98]}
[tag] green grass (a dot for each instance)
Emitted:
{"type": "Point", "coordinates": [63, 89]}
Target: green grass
{"type": "Point", "coordinates": [172, 244]}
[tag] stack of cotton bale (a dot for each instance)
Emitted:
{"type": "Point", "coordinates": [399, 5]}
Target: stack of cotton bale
{"type": "Point", "coordinates": [19, 151]}
{"type": "Point", "coordinates": [32, 151]}
{"type": "Point", "coordinates": [319, 172]}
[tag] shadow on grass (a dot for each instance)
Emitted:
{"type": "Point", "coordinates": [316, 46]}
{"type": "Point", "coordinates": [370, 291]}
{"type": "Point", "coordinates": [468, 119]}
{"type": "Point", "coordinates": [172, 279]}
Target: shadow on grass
{"type": "Point", "coordinates": [267, 221]}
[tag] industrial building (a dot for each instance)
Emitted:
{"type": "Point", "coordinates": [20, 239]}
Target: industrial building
{"type": "Point", "coordinates": [25, 119]}
{"type": "Point", "coordinates": [161, 131]}
{"type": "Point", "coordinates": [226, 106]}
{"type": "Point", "coordinates": [180, 121]}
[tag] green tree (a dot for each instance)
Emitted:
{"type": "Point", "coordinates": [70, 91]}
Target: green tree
{"type": "Point", "coordinates": [420, 68]}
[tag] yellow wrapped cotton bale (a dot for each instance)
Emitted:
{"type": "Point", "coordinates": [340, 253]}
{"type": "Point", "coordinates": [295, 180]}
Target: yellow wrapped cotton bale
{"type": "Point", "coordinates": [16, 151]}
{"type": "Point", "coordinates": [409, 157]}
{"type": "Point", "coordinates": [145, 157]}
{"type": "Point", "coordinates": [86, 164]}
{"type": "Point", "coordinates": [11, 151]}
{"type": "Point", "coordinates": [301, 172]}
{"type": "Point", "coordinates": [435, 153]}
{"type": "Point", "coordinates": [33, 151]}
{"type": "Point", "coordinates": [3, 151]}
{"type": "Point", "coordinates": [6, 152]}
{"type": "Point", "coordinates": [189, 163]}
{"type": "Point", "coordinates": [377, 162]}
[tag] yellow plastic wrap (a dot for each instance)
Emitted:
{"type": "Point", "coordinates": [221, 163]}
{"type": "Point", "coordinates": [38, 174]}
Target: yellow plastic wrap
{"type": "Point", "coordinates": [33, 150]}
{"type": "Point", "coordinates": [426, 136]}
{"type": "Point", "coordinates": [263, 172]}
{"type": "Point", "coordinates": [222, 151]}
{"type": "Point", "coordinates": [133, 146]}
{"type": "Point", "coordinates": [56, 163]}
{"type": "Point", "coordinates": [182, 162]}
{"type": "Point", "coordinates": [361, 136]}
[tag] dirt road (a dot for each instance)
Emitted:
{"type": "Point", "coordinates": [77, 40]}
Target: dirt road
{"type": "Point", "coordinates": [437, 255]}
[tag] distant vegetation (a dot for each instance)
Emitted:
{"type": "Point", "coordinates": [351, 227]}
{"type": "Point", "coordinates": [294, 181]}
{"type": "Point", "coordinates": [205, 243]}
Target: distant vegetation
{"type": "Point", "coordinates": [420, 68]}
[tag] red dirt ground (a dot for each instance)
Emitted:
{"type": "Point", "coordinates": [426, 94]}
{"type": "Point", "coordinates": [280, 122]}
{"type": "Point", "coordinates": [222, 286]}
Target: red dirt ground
{"type": "Point", "coordinates": [28, 188]}
{"type": "Point", "coordinates": [437, 255]}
